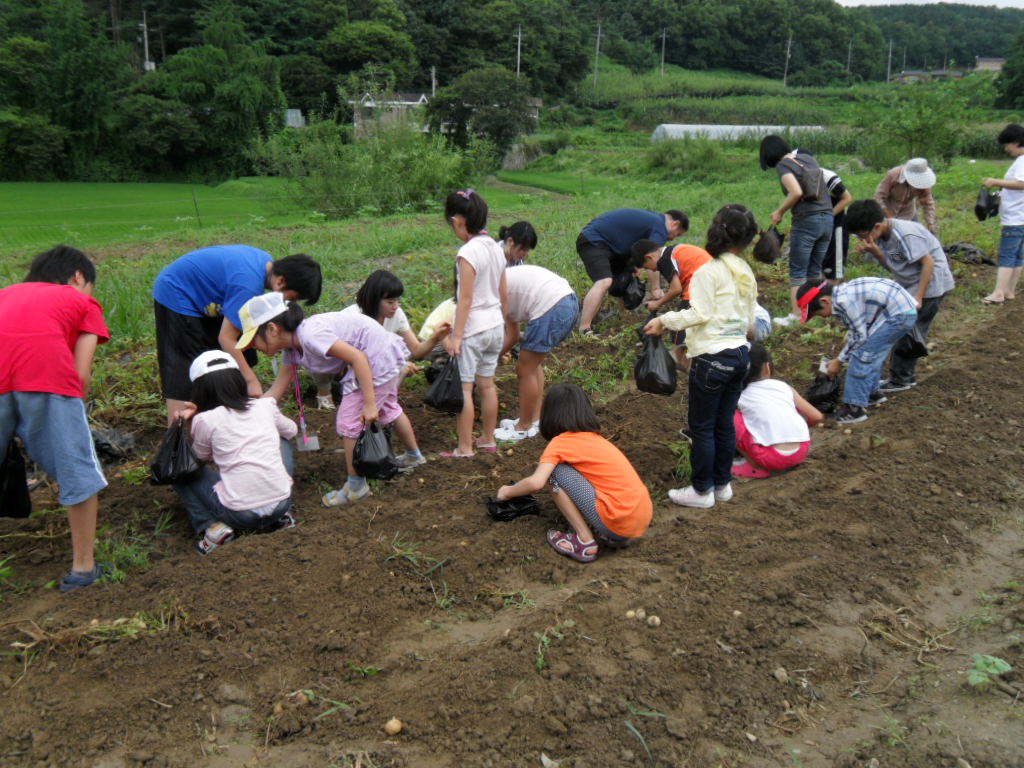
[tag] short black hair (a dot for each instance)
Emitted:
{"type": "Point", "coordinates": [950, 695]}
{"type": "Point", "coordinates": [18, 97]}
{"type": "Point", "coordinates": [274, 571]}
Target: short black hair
{"type": "Point", "coordinates": [566, 408]}
{"type": "Point", "coordinates": [378, 286]}
{"type": "Point", "coordinates": [1012, 134]}
{"type": "Point", "coordinates": [470, 206]}
{"type": "Point", "coordinates": [682, 218]}
{"type": "Point", "coordinates": [301, 274]}
{"type": "Point", "coordinates": [521, 233]}
{"type": "Point", "coordinates": [289, 320]}
{"type": "Point", "coordinates": [732, 229]}
{"type": "Point", "coordinates": [862, 215]}
{"type": "Point", "coordinates": [759, 357]}
{"type": "Point", "coordinates": [59, 264]}
{"type": "Point", "coordinates": [815, 305]}
{"type": "Point", "coordinates": [640, 250]}
{"type": "Point", "coordinates": [225, 387]}
{"type": "Point", "coordinates": [773, 149]}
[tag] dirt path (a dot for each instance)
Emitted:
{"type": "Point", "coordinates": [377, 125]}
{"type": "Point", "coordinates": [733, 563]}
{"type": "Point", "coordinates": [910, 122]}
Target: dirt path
{"type": "Point", "coordinates": [822, 618]}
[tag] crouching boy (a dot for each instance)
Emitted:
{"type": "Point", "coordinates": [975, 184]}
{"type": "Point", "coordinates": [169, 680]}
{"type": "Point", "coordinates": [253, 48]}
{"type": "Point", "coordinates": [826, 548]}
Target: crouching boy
{"type": "Point", "coordinates": [50, 327]}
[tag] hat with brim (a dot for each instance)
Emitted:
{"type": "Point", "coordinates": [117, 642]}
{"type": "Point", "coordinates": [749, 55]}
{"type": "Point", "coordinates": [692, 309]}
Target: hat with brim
{"type": "Point", "coordinates": [209, 361]}
{"type": "Point", "coordinates": [805, 301]}
{"type": "Point", "coordinates": [917, 173]}
{"type": "Point", "coordinates": [257, 311]}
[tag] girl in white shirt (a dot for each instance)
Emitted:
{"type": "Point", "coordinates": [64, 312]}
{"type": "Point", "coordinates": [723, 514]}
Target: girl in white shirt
{"type": "Point", "coordinates": [479, 328]}
{"type": "Point", "coordinates": [1011, 216]}
{"type": "Point", "coordinates": [247, 438]}
{"type": "Point", "coordinates": [771, 421]}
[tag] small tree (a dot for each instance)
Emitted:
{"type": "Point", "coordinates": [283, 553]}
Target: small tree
{"type": "Point", "coordinates": [1011, 80]}
{"type": "Point", "coordinates": [486, 103]}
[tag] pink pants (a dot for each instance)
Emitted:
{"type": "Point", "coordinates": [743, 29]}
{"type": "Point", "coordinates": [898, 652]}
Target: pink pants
{"type": "Point", "coordinates": [765, 455]}
{"type": "Point", "coordinates": [352, 406]}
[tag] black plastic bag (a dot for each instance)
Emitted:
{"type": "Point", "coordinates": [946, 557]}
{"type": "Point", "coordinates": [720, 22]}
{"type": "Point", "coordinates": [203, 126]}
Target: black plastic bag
{"type": "Point", "coordinates": [373, 457]}
{"type": "Point", "coordinates": [510, 509]}
{"type": "Point", "coordinates": [823, 393]}
{"type": "Point", "coordinates": [987, 204]}
{"type": "Point", "coordinates": [174, 462]}
{"type": "Point", "coordinates": [14, 498]}
{"type": "Point", "coordinates": [445, 394]}
{"type": "Point", "coordinates": [620, 282]}
{"type": "Point", "coordinates": [655, 370]}
{"type": "Point", "coordinates": [768, 248]}
{"type": "Point", "coordinates": [634, 295]}
{"type": "Point", "coordinates": [911, 345]}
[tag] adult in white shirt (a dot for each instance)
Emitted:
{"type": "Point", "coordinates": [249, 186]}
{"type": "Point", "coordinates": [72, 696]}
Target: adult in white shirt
{"type": "Point", "coordinates": [1011, 216]}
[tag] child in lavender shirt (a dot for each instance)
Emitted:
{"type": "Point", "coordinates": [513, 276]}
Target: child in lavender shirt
{"type": "Point", "coordinates": [247, 439]}
{"type": "Point", "coordinates": [334, 342]}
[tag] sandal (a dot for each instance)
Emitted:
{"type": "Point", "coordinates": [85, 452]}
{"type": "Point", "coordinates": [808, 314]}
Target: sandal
{"type": "Point", "coordinates": [993, 302]}
{"type": "Point", "coordinates": [576, 549]}
{"type": "Point", "coordinates": [492, 448]}
{"type": "Point", "coordinates": [748, 470]}
{"type": "Point", "coordinates": [456, 455]}
{"type": "Point", "coordinates": [78, 579]}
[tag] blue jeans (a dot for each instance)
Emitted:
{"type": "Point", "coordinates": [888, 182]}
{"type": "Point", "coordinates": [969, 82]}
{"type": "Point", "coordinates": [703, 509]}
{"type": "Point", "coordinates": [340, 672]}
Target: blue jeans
{"type": "Point", "coordinates": [716, 381]}
{"type": "Point", "coordinates": [204, 508]}
{"type": "Point", "coordinates": [1011, 246]}
{"type": "Point", "coordinates": [864, 368]}
{"type": "Point", "coordinates": [808, 244]}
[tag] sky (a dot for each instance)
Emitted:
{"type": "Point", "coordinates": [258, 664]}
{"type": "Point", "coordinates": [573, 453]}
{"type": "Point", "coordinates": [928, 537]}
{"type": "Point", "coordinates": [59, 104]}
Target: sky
{"type": "Point", "coordinates": [998, 3]}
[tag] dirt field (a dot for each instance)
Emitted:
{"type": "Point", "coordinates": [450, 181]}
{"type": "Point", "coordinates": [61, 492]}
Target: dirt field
{"type": "Point", "coordinates": [824, 617]}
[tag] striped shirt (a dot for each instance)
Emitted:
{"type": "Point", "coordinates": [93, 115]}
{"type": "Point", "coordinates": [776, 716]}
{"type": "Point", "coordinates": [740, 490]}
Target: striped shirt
{"type": "Point", "coordinates": [863, 305]}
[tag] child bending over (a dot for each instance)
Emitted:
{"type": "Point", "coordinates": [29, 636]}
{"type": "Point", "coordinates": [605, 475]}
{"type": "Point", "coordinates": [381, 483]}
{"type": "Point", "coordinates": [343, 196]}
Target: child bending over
{"type": "Point", "coordinates": [771, 421]}
{"type": "Point", "coordinates": [247, 438]}
{"type": "Point", "coordinates": [592, 483]}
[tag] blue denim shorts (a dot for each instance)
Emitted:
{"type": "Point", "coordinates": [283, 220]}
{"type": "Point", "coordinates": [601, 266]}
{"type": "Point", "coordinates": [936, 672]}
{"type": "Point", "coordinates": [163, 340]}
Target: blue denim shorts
{"type": "Point", "coordinates": [56, 435]}
{"type": "Point", "coordinates": [1011, 246]}
{"type": "Point", "coordinates": [553, 327]}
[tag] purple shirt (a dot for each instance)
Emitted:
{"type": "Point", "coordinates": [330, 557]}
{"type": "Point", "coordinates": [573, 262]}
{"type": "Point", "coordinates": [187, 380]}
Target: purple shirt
{"type": "Point", "coordinates": [315, 336]}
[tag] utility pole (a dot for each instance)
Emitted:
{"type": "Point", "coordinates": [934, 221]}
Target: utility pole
{"type": "Point", "coordinates": [147, 65]}
{"type": "Point", "coordinates": [849, 54]}
{"type": "Point", "coordinates": [785, 70]}
{"type": "Point", "coordinates": [433, 81]}
{"type": "Point", "coordinates": [597, 51]}
{"type": "Point", "coordinates": [888, 64]}
{"type": "Point", "coordinates": [662, 50]}
{"type": "Point", "coordinates": [904, 58]}
{"type": "Point", "coordinates": [519, 48]}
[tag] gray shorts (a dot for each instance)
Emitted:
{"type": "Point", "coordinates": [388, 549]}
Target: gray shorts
{"type": "Point", "coordinates": [56, 435]}
{"type": "Point", "coordinates": [479, 354]}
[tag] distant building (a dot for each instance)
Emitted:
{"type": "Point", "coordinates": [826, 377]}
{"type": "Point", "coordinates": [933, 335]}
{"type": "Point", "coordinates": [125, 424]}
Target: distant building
{"type": "Point", "coordinates": [988, 64]}
{"type": "Point", "coordinates": [369, 109]}
{"type": "Point", "coordinates": [667, 131]}
{"type": "Point", "coordinates": [293, 118]}
{"type": "Point", "coordinates": [927, 75]}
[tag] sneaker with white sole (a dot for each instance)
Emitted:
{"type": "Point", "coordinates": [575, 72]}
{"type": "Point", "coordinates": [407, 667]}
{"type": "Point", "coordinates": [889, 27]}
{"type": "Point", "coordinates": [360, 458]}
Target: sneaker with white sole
{"type": "Point", "coordinates": [877, 398]}
{"type": "Point", "coordinates": [786, 320]}
{"type": "Point", "coordinates": [513, 435]}
{"type": "Point", "coordinates": [344, 495]}
{"type": "Point", "coordinates": [724, 493]}
{"type": "Point", "coordinates": [888, 385]}
{"type": "Point", "coordinates": [688, 497]}
{"type": "Point", "coordinates": [851, 414]}
{"type": "Point", "coordinates": [325, 402]}
{"type": "Point", "coordinates": [407, 463]}
{"type": "Point", "coordinates": [211, 541]}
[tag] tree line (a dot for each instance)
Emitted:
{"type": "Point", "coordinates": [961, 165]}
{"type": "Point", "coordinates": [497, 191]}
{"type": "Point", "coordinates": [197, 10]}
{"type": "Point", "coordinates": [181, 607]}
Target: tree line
{"type": "Point", "coordinates": [77, 99]}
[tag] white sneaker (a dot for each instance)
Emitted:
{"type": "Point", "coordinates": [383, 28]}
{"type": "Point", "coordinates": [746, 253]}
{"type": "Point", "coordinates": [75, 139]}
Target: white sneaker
{"type": "Point", "coordinates": [688, 497]}
{"type": "Point", "coordinates": [511, 424]}
{"type": "Point", "coordinates": [786, 321]}
{"type": "Point", "coordinates": [724, 493]}
{"type": "Point", "coordinates": [325, 402]}
{"type": "Point", "coordinates": [344, 495]}
{"type": "Point", "coordinates": [513, 435]}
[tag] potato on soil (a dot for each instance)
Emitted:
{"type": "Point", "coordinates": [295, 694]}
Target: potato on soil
{"type": "Point", "coordinates": [393, 727]}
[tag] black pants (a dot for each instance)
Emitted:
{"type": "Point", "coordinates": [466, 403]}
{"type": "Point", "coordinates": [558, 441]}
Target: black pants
{"type": "Point", "coordinates": [902, 369]}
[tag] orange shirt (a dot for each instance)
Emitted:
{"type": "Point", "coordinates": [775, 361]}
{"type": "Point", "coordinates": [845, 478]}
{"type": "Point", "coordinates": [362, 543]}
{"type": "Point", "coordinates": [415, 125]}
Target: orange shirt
{"type": "Point", "coordinates": [623, 503]}
{"type": "Point", "coordinates": [688, 259]}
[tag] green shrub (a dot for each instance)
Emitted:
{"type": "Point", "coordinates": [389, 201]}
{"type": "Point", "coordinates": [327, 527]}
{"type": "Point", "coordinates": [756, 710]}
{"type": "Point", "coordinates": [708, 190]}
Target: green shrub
{"type": "Point", "coordinates": [698, 159]}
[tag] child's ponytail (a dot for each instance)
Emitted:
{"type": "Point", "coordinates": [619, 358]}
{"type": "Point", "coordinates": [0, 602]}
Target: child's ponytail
{"type": "Point", "coordinates": [470, 206]}
{"type": "Point", "coordinates": [732, 229]}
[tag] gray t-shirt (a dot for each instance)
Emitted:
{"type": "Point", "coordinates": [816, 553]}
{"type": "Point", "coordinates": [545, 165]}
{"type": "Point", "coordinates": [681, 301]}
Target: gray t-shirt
{"type": "Point", "coordinates": [804, 207]}
{"type": "Point", "coordinates": [907, 244]}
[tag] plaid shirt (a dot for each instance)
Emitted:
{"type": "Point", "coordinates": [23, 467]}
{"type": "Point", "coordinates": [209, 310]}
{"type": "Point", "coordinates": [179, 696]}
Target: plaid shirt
{"type": "Point", "coordinates": [863, 305]}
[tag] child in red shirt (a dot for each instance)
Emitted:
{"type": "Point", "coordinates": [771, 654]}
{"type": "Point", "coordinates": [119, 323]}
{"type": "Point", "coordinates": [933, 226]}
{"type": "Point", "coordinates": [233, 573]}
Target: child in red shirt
{"type": "Point", "coordinates": [592, 483]}
{"type": "Point", "coordinates": [50, 327]}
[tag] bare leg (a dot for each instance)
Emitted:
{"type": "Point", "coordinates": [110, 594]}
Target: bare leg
{"type": "Point", "coordinates": [1004, 276]}
{"type": "Point", "coordinates": [404, 429]}
{"type": "Point", "coordinates": [82, 519]}
{"type": "Point", "coordinates": [173, 406]}
{"type": "Point", "coordinates": [350, 452]}
{"type": "Point", "coordinates": [488, 409]}
{"type": "Point", "coordinates": [573, 516]}
{"type": "Point", "coordinates": [592, 302]}
{"type": "Point", "coordinates": [464, 421]}
{"type": "Point", "coordinates": [531, 387]}
{"type": "Point", "coordinates": [1011, 287]}
{"type": "Point", "coordinates": [794, 308]}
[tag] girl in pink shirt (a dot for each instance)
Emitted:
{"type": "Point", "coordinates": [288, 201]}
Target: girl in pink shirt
{"type": "Point", "coordinates": [247, 439]}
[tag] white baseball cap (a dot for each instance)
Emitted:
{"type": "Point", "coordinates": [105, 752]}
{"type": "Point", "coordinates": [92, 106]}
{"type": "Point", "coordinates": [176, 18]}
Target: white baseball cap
{"type": "Point", "coordinates": [257, 311]}
{"type": "Point", "coordinates": [917, 173]}
{"type": "Point", "coordinates": [209, 361]}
